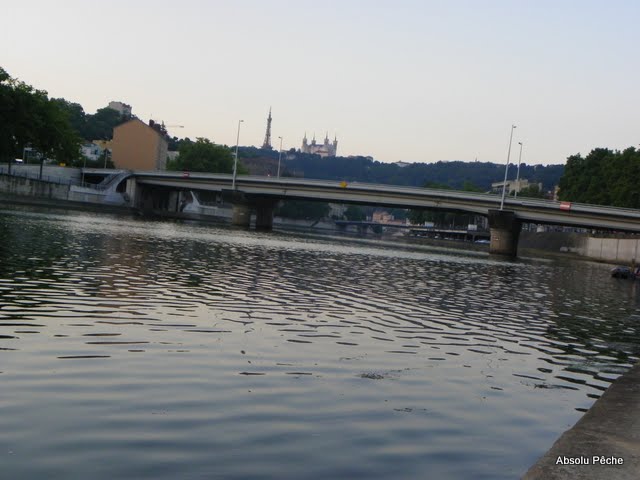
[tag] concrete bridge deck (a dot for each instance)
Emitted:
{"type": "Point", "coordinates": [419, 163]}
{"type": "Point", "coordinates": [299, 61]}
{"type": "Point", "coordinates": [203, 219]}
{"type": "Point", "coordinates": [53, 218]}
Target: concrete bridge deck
{"type": "Point", "coordinates": [525, 209]}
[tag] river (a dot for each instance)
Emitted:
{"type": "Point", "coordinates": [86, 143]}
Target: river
{"type": "Point", "coordinates": [142, 349]}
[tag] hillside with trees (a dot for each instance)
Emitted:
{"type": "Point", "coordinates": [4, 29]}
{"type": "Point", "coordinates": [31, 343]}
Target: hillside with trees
{"type": "Point", "coordinates": [453, 174]}
{"type": "Point", "coordinates": [603, 177]}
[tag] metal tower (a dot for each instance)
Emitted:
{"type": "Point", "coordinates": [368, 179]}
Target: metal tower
{"type": "Point", "coordinates": [267, 136]}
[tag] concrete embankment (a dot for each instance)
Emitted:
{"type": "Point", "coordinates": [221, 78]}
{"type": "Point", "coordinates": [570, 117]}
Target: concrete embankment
{"type": "Point", "coordinates": [613, 248]}
{"type": "Point", "coordinates": [604, 444]}
{"type": "Point", "coordinates": [57, 203]}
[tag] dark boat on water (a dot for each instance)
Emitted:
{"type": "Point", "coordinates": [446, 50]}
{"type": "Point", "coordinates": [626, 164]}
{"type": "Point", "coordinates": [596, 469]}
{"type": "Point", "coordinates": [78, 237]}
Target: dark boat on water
{"type": "Point", "coordinates": [625, 272]}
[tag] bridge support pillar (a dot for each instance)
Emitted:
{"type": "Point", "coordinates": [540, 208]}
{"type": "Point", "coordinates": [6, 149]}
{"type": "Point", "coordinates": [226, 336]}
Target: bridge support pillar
{"type": "Point", "coordinates": [241, 208]}
{"type": "Point", "coordinates": [241, 215]}
{"type": "Point", "coordinates": [505, 232]}
{"type": "Point", "coordinates": [132, 192]}
{"type": "Point", "coordinates": [264, 214]}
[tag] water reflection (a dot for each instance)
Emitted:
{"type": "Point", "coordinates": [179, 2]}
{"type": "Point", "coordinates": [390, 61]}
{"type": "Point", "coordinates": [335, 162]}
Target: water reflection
{"type": "Point", "coordinates": [364, 359]}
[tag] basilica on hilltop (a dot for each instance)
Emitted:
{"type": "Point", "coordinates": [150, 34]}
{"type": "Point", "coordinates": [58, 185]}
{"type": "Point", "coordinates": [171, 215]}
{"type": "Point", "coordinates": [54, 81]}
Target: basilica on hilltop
{"type": "Point", "coordinates": [325, 149]}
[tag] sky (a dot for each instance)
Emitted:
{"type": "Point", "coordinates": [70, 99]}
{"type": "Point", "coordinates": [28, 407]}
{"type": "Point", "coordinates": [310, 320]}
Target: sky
{"type": "Point", "coordinates": [401, 80]}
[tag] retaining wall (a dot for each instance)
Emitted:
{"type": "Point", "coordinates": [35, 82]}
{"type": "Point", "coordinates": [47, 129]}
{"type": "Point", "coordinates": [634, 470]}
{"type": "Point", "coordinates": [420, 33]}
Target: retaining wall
{"type": "Point", "coordinates": [21, 186]}
{"type": "Point", "coordinates": [617, 250]}
{"type": "Point", "coordinates": [66, 174]}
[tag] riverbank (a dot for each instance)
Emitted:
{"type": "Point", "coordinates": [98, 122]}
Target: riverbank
{"type": "Point", "coordinates": [605, 443]}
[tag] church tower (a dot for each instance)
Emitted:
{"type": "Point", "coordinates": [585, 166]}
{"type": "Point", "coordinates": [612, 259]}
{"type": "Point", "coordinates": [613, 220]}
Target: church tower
{"type": "Point", "coordinates": [325, 149]}
{"type": "Point", "coordinates": [267, 137]}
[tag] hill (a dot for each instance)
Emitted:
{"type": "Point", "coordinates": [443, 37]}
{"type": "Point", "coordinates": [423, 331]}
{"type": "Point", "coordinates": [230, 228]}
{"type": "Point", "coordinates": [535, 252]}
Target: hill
{"type": "Point", "coordinates": [364, 169]}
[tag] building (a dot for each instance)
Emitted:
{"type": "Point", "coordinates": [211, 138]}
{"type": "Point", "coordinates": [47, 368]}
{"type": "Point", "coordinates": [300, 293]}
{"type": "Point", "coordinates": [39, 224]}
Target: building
{"type": "Point", "coordinates": [91, 151]}
{"type": "Point", "coordinates": [95, 150]}
{"type": "Point", "coordinates": [103, 144]}
{"type": "Point", "coordinates": [138, 146]}
{"type": "Point", "coordinates": [325, 149]}
{"type": "Point", "coordinates": [382, 217]}
{"type": "Point", "coordinates": [122, 108]}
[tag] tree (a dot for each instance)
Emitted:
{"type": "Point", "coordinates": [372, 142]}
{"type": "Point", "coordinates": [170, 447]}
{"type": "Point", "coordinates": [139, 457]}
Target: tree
{"type": "Point", "coordinates": [467, 186]}
{"type": "Point", "coordinates": [75, 114]}
{"type": "Point", "coordinates": [100, 125]}
{"type": "Point", "coordinates": [204, 156]}
{"type": "Point", "coordinates": [438, 217]}
{"type": "Point", "coordinates": [532, 191]}
{"type": "Point", "coordinates": [418, 217]}
{"type": "Point", "coordinates": [8, 124]}
{"type": "Point", "coordinates": [354, 213]}
{"type": "Point", "coordinates": [603, 177]}
{"type": "Point", "coordinates": [303, 210]}
{"type": "Point", "coordinates": [438, 186]}
{"type": "Point", "coordinates": [29, 118]}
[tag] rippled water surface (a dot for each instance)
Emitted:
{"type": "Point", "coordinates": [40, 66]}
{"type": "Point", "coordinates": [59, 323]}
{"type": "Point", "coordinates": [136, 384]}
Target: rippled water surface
{"type": "Point", "coordinates": [145, 349]}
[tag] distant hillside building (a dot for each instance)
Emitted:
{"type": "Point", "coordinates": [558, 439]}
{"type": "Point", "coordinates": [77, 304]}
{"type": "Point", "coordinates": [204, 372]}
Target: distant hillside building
{"type": "Point", "coordinates": [122, 108]}
{"type": "Point", "coordinates": [94, 150]}
{"type": "Point", "coordinates": [325, 149]}
{"type": "Point", "coordinates": [138, 146]}
{"type": "Point", "coordinates": [90, 151]}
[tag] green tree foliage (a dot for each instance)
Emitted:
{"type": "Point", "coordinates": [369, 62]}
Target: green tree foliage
{"type": "Point", "coordinates": [438, 186]}
{"type": "Point", "coordinates": [175, 143]}
{"type": "Point", "coordinates": [98, 126]}
{"type": "Point", "coordinates": [29, 118]}
{"type": "Point", "coordinates": [532, 191]}
{"type": "Point", "coordinates": [471, 187]}
{"type": "Point", "coordinates": [303, 210]}
{"type": "Point", "coordinates": [418, 216]}
{"type": "Point", "coordinates": [204, 156]}
{"type": "Point", "coordinates": [440, 218]}
{"type": "Point", "coordinates": [75, 114]}
{"type": "Point", "coordinates": [453, 174]}
{"type": "Point", "coordinates": [603, 177]}
{"type": "Point", "coordinates": [354, 213]}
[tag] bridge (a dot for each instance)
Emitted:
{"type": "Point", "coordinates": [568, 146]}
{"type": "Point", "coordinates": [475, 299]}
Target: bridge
{"type": "Point", "coordinates": [152, 190]}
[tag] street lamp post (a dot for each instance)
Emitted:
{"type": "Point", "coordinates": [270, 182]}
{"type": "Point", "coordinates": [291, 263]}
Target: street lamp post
{"type": "Point", "coordinates": [84, 165]}
{"type": "Point", "coordinates": [235, 162]}
{"type": "Point", "coordinates": [106, 155]}
{"type": "Point", "coordinates": [279, 156]}
{"type": "Point", "coordinates": [506, 169]}
{"type": "Point", "coordinates": [518, 172]}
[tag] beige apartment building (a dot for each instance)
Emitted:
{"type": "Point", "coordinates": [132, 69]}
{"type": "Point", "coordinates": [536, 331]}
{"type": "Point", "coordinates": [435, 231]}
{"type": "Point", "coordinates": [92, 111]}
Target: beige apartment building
{"type": "Point", "coordinates": [138, 146]}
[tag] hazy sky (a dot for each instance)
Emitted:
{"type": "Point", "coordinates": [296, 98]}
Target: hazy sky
{"type": "Point", "coordinates": [417, 81]}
